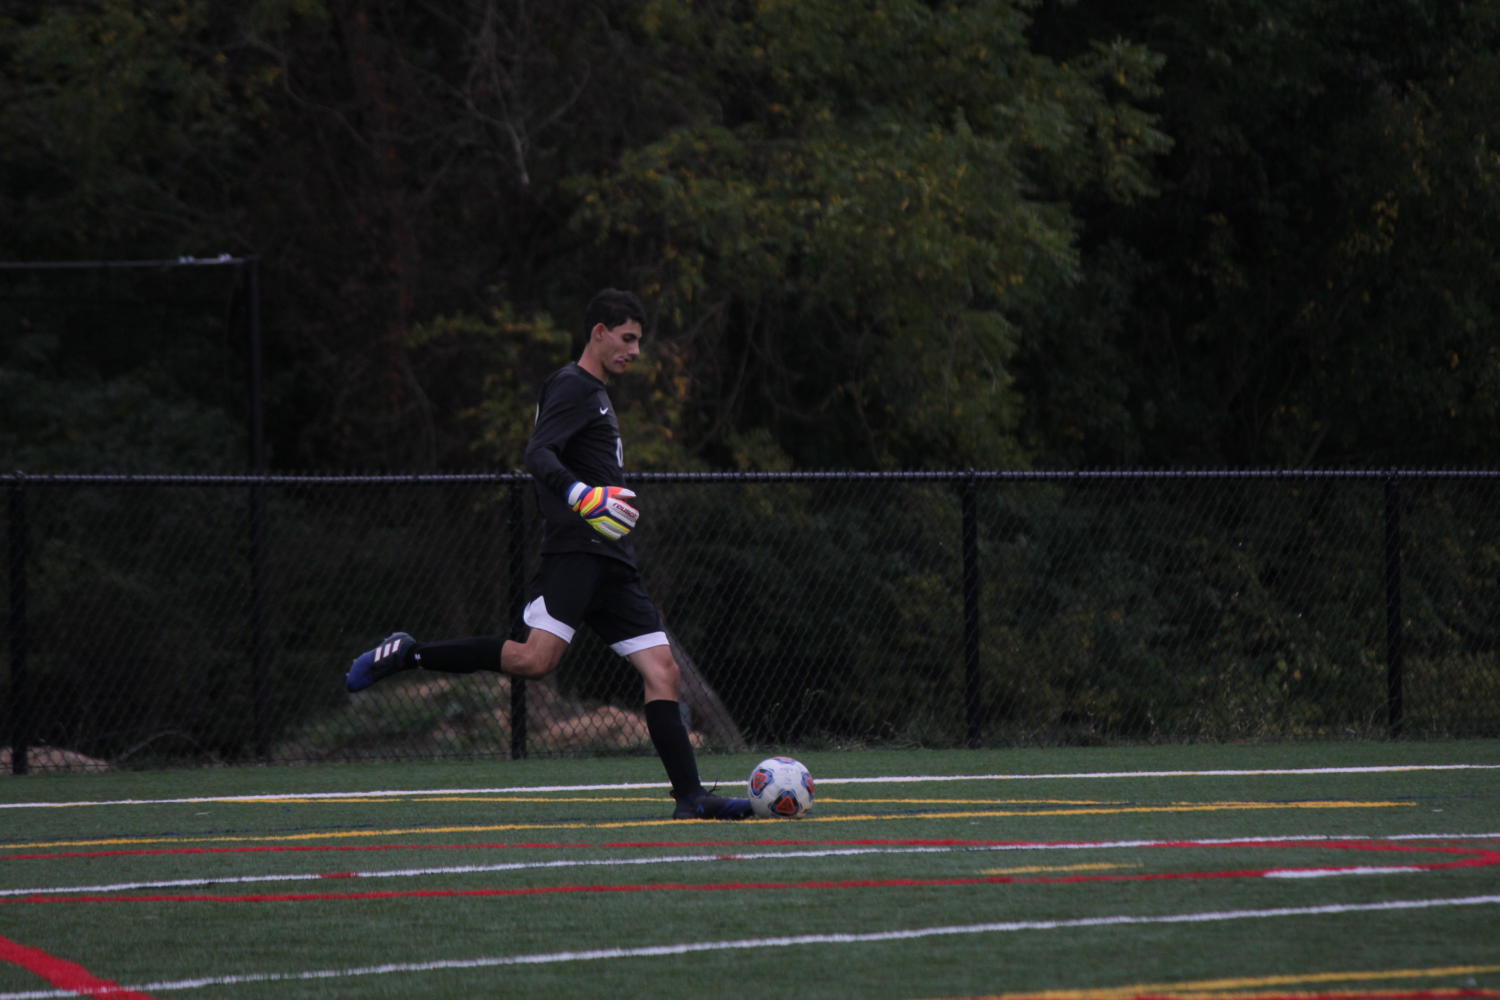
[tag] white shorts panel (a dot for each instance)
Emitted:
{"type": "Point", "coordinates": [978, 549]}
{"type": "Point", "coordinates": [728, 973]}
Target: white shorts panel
{"type": "Point", "coordinates": [640, 642]}
{"type": "Point", "coordinates": [536, 616]}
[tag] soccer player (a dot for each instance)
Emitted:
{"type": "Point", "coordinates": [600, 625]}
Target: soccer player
{"type": "Point", "coordinates": [588, 570]}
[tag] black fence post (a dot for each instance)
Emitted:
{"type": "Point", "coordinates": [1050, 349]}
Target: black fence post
{"type": "Point", "coordinates": [255, 352]}
{"type": "Point", "coordinates": [260, 657]}
{"type": "Point", "coordinates": [20, 684]}
{"type": "Point", "coordinates": [517, 516]}
{"type": "Point", "coordinates": [973, 687]}
{"type": "Point", "coordinates": [1395, 644]}
{"type": "Point", "coordinates": [260, 671]}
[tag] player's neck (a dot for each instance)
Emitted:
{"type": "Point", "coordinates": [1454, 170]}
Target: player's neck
{"type": "Point", "coordinates": [592, 365]}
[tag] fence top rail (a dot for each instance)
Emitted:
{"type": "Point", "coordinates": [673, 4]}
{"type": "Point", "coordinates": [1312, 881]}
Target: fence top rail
{"type": "Point", "coordinates": [21, 478]}
{"type": "Point", "coordinates": [219, 260]}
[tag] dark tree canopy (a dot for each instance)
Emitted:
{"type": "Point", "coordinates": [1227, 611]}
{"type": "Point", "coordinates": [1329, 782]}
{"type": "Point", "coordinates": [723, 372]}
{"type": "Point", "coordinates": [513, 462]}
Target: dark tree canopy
{"type": "Point", "coordinates": [994, 233]}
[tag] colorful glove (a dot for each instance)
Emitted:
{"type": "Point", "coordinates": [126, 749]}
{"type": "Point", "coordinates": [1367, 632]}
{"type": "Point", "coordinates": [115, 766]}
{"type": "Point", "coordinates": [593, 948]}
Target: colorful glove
{"type": "Point", "coordinates": [604, 508]}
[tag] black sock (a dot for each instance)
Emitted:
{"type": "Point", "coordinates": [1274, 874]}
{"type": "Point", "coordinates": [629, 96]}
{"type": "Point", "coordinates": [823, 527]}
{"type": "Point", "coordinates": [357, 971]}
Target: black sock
{"type": "Point", "coordinates": [459, 656]}
{"type": "Point", "coordinates": [670, 737]}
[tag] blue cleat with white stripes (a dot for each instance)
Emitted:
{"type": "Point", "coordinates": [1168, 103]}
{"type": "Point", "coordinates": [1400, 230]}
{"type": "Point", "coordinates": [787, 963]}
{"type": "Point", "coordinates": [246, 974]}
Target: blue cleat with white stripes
{"type": "Point", "coordinates": [391, 656]}
{"type": "Point", "coordinates": [706, 805]}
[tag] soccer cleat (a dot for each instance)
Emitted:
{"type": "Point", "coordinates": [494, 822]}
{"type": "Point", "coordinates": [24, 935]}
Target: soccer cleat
{"type": "Point", "coordinates": [707, 805]}
{"type": "Point", "coordinates": [391, 656]}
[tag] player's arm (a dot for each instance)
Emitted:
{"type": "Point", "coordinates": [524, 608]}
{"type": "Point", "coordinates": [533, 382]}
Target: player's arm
{"type": "Point", "coordinates": [603, 507]}
{"type": "Point", "coordinates": [544, 450]}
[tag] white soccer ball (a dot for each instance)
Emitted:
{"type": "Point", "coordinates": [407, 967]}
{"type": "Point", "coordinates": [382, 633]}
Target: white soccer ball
{"type": "Point", "coordinates": [780, 788]}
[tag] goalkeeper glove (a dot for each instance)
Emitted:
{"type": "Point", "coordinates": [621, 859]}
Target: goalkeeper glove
{"type": "Point", "coordinates": [604, 508]}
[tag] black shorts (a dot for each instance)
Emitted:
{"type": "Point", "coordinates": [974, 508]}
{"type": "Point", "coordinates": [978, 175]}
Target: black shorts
{"type": "Point", "coordinates": [577, 588]}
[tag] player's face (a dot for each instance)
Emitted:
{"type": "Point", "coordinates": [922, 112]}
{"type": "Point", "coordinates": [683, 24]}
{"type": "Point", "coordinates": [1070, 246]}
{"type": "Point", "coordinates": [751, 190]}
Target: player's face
{"type": "Point", "coordinates": [618, 346]}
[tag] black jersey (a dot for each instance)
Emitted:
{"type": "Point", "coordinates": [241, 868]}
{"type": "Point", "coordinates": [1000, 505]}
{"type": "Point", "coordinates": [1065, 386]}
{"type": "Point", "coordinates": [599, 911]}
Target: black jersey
{"type": "Point", "coordinates": [576, 440]}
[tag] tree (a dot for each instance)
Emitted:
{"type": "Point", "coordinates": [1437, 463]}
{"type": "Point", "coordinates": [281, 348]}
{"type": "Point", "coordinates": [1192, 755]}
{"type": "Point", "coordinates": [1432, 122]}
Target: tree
{"type": "Point", "coordinates": [391, 163]}
{"type": "Point", "coordinates": [856, 218]}
{"type": "Point", "coordinates": [125, 127]}
{"type": "Point", "coordinates": [1278, 304]}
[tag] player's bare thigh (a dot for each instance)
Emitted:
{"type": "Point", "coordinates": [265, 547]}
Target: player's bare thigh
{"type": "Point", "coordinates": [659, 672]}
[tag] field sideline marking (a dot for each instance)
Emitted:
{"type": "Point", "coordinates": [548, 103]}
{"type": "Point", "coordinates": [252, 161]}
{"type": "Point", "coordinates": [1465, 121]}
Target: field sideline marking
{"type": "Point", "coordinates": [1173, 808]}
{"type": "Point", "coordinates": [1245, 983]}
{"type": "Point", "coordinates": [1311, 839]}
{"type": "Point", "coordinates": [1480, 857]}
{"type": "Point", "coordinates": [888, 779]}
{"type": "Point", "coordinates": [75, 980]}
{"type": "Point", "coordinates": [741, 944]}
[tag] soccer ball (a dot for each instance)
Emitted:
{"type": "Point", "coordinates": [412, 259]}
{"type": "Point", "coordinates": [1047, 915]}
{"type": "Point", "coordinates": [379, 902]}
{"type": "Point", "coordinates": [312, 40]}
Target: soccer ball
{"type": "Point", "coordinates": [780, 788]}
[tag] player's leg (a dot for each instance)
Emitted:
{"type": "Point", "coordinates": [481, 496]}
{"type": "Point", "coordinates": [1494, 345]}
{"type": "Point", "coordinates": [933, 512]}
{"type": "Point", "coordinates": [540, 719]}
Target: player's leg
{"type": "Point", "coordinates": [629, 622]}
{"type": "Point", "coordinates": [566, 584]}
{"type": "Point", "coordinates": [661, 677]}
{"type": "Point", "coordinates": [545, 643]}
{"type": "Point", "coordinates": [536, 656]}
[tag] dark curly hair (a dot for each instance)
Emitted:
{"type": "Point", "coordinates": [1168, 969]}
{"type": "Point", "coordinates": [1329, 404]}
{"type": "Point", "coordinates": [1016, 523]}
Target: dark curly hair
{"type": "Point", "coordinates": [613, 307]}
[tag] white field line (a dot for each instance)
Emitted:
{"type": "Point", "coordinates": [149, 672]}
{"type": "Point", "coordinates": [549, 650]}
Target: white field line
{"type": "Point", "coordinates": [741, 944]}
{"type": "Point", "coordinates": [509, 866]}
{"type": "Point", "coordinates": [762, 856]}
{"type": "Point", "coordinates": [887, 779]}
{"type": "Point", "coordinates": [1352, 870]}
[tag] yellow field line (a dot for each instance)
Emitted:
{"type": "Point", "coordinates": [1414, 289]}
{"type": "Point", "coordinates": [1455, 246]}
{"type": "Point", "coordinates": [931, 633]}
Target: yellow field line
{"type": "Point", "coordinates": [1046, 869]}
{"type": "Point", "coordinates": [1176, 807]}
{"type": "Point", "coordinates": [428, 831]}
{"type": "Point", "coordinates": [1215, 987]}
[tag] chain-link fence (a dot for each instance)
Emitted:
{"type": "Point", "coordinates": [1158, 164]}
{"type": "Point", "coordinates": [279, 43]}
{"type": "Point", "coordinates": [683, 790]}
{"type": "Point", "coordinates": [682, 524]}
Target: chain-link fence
{"type": "Point", "coordinates": [157, 621]}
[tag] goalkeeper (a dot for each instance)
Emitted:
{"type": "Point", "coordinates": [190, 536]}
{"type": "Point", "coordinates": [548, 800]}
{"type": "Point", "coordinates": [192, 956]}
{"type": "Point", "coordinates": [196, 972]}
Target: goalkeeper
{"type": "Point", "coordinates": [588, 570]}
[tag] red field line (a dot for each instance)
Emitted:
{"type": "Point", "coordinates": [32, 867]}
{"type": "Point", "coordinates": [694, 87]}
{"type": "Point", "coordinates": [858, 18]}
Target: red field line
{"type": "Point", "coordinates": [323, 897]}
{"type": "Point", "coordinates": [353, 848]}
{"type": "Point", "coordinates": [1438, 994]}
{"type": "Point", "coordinates": [1483, 858]}
{"type": "Point", "coordinates": [1357, 994]}
{"type": "Point", "coordinates": [62, 973]}
{"type": "Point", "coordinates": [1344, 844]}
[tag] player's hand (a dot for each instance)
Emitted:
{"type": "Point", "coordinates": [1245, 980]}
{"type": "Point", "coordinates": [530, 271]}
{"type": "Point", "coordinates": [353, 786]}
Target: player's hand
{"type": "Point", "coordinates": [604, 508]}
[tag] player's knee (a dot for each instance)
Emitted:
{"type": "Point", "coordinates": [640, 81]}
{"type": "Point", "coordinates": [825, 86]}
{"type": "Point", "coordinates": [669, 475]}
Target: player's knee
{"type": "Point", "coordinates": [670, 674]}
{"type": "Point", "coordinates": [661, 676]}
{"type": "Point", "coordinates": [528, 668]}
{"type": "Point", "coordinates": [530, 660]}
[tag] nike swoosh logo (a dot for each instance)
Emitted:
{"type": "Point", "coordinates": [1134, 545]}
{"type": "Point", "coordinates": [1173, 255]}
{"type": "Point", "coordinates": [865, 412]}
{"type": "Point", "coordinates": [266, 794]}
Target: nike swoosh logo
{"type": "Point", "coordinates": [603, 409]}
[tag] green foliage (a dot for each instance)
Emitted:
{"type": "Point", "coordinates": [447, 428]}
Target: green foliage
{"type": "Point", "coordinates": [759, 590]}
{"type": "Point", "coordinates": [1303, 291]}
{"type": "Point", "coordinates": [125, 599]}
{"type": "Point", "coordinates": [851, 235]}
{"type": "Point", "coordinates": [505, 355]}
{"type": "Point", "coordinates": [1151, 616]}
{"type": "Point", "coordinates": [124, 121]}
{"type": "Point", "coordinates": [995, 232]}
{"type": "Point", "coordinates": [500, 351]}
{"type": "Point", "coordinates": [1452, 559]}
{"type": "Point", "coordinates": [823, 610]}
{"type": "Point", "coordinates": [990, 233]}
{"type": "Point", "coordinates": [139, 604]}
{"type": "Point", "coordinates": [121, 372]}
